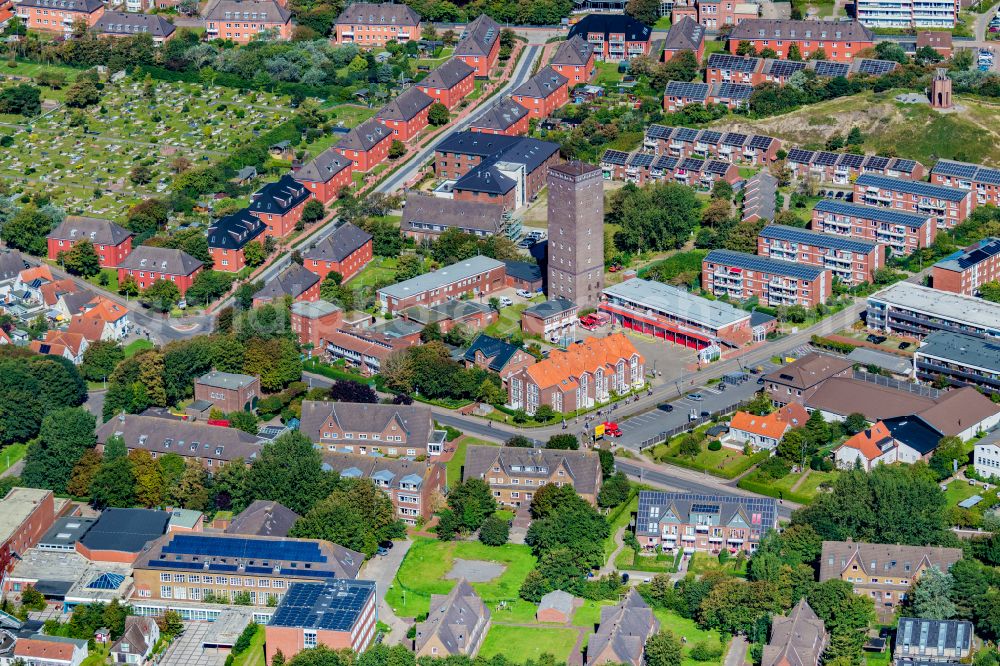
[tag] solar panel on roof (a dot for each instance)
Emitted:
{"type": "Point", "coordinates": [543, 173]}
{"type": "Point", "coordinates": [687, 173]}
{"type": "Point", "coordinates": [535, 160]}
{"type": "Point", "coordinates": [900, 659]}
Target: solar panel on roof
{"type": "Point", "coordinates": [695, 91]}
{"type": "Point", "coordinates": [732, 62]}
{"type": "Point", "coordinates": [828, 68]}
{"type": "Point", "coordinates": [876, 67]}
{"type": "Point", "coordinates": [718, 167]}
{"type": "Point", "coordinates": [734, 139]}
{"type": "Point", "coordinates": [692, 164]}
{"type": "Point", "coordinates": [877, 213]}
{"type": "Point", "coordinates": [705, 508]}
{"type": "Point", "coordinates": [823, 158]}
{"type": "Point", "coordinates": [752, 262]}
{"type": "Point", "coordinates": [877, 162]}
{"type": "Point", "coordinates": [991, 176]}
{"type": "Point", "coordinates": [184, 544]}
{"type": "Point", "coordinates": [851, 161]}
{"type": "Point", "coordinates": [665, 162]}
{"type": "Point", "coordinates": [906, 166]}
{"type": "Point", "coordinates": [786, 67]}
{"type": "Point", "coordinates": [641, 160]}
{"type": "Point", "coordinates": [659, 132]}
{"type": "Point", "coordinates": [618, 157]}
{"type": "Point", "coordinates": [957, 169]}
{"type": "Point", "coordinates": [815, 238]}
{"type": "Point", "coordinates": [710, 137]}
{"type": "Point", "coordinates": [912, 187]}
{"type": "Point", "coordinates": [686, 134]}
{"type": "Point", "coordinates": [735, 91]}
{"type": "Point", "coordinates": [800, 156]}
{"type": "Point", "coordinates": [761, 142]}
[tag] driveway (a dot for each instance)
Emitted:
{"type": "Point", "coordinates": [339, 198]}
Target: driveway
{"type": "Point", "coordinates": [187, 650]}
{"type": "Point", "coordinates": [382, 569]}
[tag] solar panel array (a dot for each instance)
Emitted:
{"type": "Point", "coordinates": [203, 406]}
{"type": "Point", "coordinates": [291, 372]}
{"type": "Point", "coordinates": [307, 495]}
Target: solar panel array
{"type": "Point", "coordinates": [692, 164]}
{"type": "Point", "coordinates": [761, 142]}
{"type": "Point", "coordinates": [717, 167]}
{"type": "Point", "coordinates": [686, 134]}
{"type": "Point", "coordinates": [877, 213]}
{"type": "Point", "coordinates": [617, 157]}
{"type": "Point", "coordinates": [991, 176]}
{"type": "Point", "coordinates": [824, 158]}
{"type": "Point", "coordinates": [851, 160]}
{"type": "Point", "coordinates": [876, 67]}
{"type": "Point", "coordinates": [956, 169]}
{"type": "Point", "coordinates": [799, 156]}
{"type": "Point", "coordinates": [876, 163]}
{"type": "Point", "coordinates": [919, 189]}
{"type": "Point", "coordinates": [705, 508]}
{"type": "Point", "coordinates": [641, 160]}
{"type": "Point", "coordinates": [734, 139]}
{"type": "Point", "coordinates": [264, 549]}
{"type": "Point", "coordinates": [905, 166]}
{"type": "Point", "coordinates": [659, 132]}
{"type": "Point", "coordinates": [786, 67]}
{"type": "Point", "coordinates": [732, 62]}
{"type": "Point", "coordinates": [665, 162]}
{"type": "Point", "coordinates": [765, 507]}
{"type": "Point", "coordinates": [829, 68]}
{"type": "Point", "coordinates": [711, 137]}
{"type": "Point", "coordinates": [752, 262]}
{"type": "Point", "coordinates": [815, 238]}
{"type": "Point", "coordinates": [986, 249]}
{"type": "Point", "coordinates": [739, 91]}
{"type": "Point", "coordinates": [333, 606]}
{"type": "Point", "coordinates": [106, 581]}
{"type": "Point", "coordinates": [695, 91]}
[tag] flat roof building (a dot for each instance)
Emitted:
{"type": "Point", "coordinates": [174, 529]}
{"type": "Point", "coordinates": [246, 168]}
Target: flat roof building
{"type": "Point", "coordinates": [477, 275]}
{"type": "Point", "coordinates": [915, 311]}
{"type": "Point", "coordinates": [961, 360]}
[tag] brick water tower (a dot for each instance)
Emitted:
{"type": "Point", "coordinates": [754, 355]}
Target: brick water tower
{"type": "Point", "coordinates": [941, 90]}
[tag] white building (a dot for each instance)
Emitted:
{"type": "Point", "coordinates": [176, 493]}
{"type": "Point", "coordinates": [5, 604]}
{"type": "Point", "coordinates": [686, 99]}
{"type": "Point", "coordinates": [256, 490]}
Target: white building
{"type": "Point", "coordinates": [986, 457]}
{"type": "Point", "coordinates": [907, 13]}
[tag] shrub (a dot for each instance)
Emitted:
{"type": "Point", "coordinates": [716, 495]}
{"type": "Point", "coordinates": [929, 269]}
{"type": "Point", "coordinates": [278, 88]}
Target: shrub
{"type": "Point", "coordinates": [702, 651]}
{"type": "Point", "coordinates": [715, 445]}
{"type": "Point", "coordinates": [774, 468]}
{"type": "Point", "coordinates": [494, 532]}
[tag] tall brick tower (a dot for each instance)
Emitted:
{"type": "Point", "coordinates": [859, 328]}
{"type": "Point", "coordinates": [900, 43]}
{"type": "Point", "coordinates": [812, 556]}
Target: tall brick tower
{"type": "Point", "coordinates": [941, 90]}
{"type": "Point", "coordinates": [576, 233]}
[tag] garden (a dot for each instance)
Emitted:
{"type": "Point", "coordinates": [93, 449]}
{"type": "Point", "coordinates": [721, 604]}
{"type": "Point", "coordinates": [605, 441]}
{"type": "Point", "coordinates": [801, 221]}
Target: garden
{"type": "Point", "coordinates": [693, 450]}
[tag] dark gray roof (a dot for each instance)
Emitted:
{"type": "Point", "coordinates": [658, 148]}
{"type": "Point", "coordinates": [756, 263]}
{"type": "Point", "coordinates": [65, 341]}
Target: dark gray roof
{"type": "Point", "coordinates": [97, 231]}
{"type": "Point", "coordinates": [458, 619]}
{"type": "Point", "coordinates": [487, 179]}
{"type": "Point", "coordinates": [759, 196]}
{"type": "Point", "coordinates": [796, 640]}
{"type": "Point", "coordinates": [263, 518]}
{"type": "Point", "coordinates": [686, 34]}
{"type": "Point", "coordinates": [542, 84]}
{"type": "Point", "coordinates": [293, 281]}
{"type": "Point", "coordinates": [66, 531]}
{"type": "Point", "coordinates": [550, 308]}
{"type": "Point", "coordinates": [132, 23]}
{"type": "Point", "coordinates": [406, 106]}
{"type": "Point", "coordinates": [527, 271]}
{"type": "Point", "coordinates": [448, 75]}
{"type": "Point", "coordinates": [331, 606]}
{"type": "Point", "coordinates": [962, 349]}
{"type": "Point", "coordinates": [416, 420]}
{"type": "Point", "coordinates": [496, 351]}
{"type": "Point", "coordinates": [385, 13]}
{"type": "Point", "coordinates": [841, 31]}
{"type": "Point", "coordinates": [656, 507]}
{"type": "Point", "coordinates": [342, 243]}
{"type": "Point", "coordinates": [226, 380]}
{"type": "Point", "coordinates": [873, 213]}
{"type": "Point", "coordinates": [915, 432]}
{"type": "Point", "coordinates": [423, 209]}
{"type": "Point", "coordinates": [557, 600]}
{"type": "Point", "coordinates": [161, 260]}
{"type": "Point", "coordinates": [388, 472]}
{"type": "Point", "coordinates": [185, 438]}
{"type": "Point", "coordinates": [817, 239]}
{"type": "Point", "coordinates": [880, 559]}
{"type": "Point", "coordinates": [479, 37]}
{"type": "Point", "coordinates": [624, 629]}
{"type": "Point", "coordinates": [501, 115]}
{"type": "Point", "coordinates": [137, 636]}
{"type": "Point", "coordinates": [925, 637]}
{"type": "Point", "coordinates": [279, 197]}
{"type": "Point", "coordinates": [532, 153]}
{"type": "Point", "coordinates": [583, 467]}
{"type": "Point", "coordinates": [575, 51]}
{"type": "Point", "coordinates": [365, 136]}
{"type": "Point", "coordinates": [263, 11]}
{"type": "Point", "coordinates": [65, 5]}
{"type": "Point", "coordinates": [125, 530]}
{"type": "Point", "coordinates": [612, 24]}
{"type": "Point", "coordinates": [235, 231]}
{"type": "Point", "coordinates": [754, 263]}
{"type": "Point", "coordinates": [11, 263]}
{"type": "Point", "coordinates": [323, 167]}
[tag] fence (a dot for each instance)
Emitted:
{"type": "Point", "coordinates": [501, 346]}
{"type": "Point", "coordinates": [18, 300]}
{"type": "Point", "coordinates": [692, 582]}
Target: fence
{"type": "Point", "coordinates": [889, 382]}
{"type": "Point", "coordinates": [691, 425]}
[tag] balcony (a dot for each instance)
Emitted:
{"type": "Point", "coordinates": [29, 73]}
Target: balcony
{"type": "Point", "coordinates": [782, 286]}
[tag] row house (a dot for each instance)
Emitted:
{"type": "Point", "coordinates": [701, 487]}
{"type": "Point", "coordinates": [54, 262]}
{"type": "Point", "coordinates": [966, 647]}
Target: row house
{"type": "Point", "coordinates": [127, 24]}
{"type": "Point", "coordinates": [579, 377]}
{"type": "Point", "coordinates": [449, 83]}
{"type": "Point", "coordinates": [58, 15]}
{"type": "Point", "coordinates": [686, 34]}
{"type": "Point", "coordinates": [406, 115]}
{"type": "Point", "coordinates": [242, 22]}
{"type": "Point", "coordinates": [903, 233]}
{"type": "Point", "coordinates": [679, 94]}
{"type": "Point", "coordinates": [741, 276]}
{"type": "Point", "coordinates": [477, 276]}
{"type": "Point", "coordinates": [366, 146]}
{"type": "Point", "coordinates": [345, 251]}
{"type": "Point", "coordinates": [701, 174]}
{"type": "Point", "coordinates": [399, 431]}
{"type": "Point", "coordinates": [714, 14]}
{"type": "Point", "coordinates": [426, 217]}
{"type": "Point", "coordinates": [551, 319]}
{"type": "Point", "coordinates": [370, 24]}
{"type": "Point", "coordinates": [479, 46]}
{"type": "Point", "coordinates": [839, 40]}
{"type": "Point", "coordinates": [642, 167]}
{"type": "Point", "coordinates": [147, 265]}
{"type": "Point", "coordinates": [111, 242]}
{"type": "Point", "coordinates": [515, 474]}
{"type": "Point", "coordinates": [914, 311]}
{"type": "Point", "coordinates": [849, 260]}
{"type": "Point", "coordinates": [961, 360]}
{"type": "Point", "coordinates": [229, 235]}
{"type": "Point", "coordinates": [279, 205]}
{"type": "Point", "coordinates": [505, 117]}
{"type": "Point", "coordinates": [984, 181]}
{"type": "Point", "coordinates": [965, 271]}
{"type": "Point", "coordinates": [694, 523]}
{"type": "Point", "coordinates": [725, 67]}
{"type": "Point", "coordinates": [949, 207]}
{"type": "Point", "coordinates": [295, 282]}
{"type": "Point", "coordinates": [543, 93]}
{"type": "Point", "coordinates": [575, 60]}
{"type": "Point", "coordinates": [754, 149]}
{"type": "Point", "coordinates": [412, 486]}
{"type": "Point", "coordinates": [615, 37]}
{"type": "Point", "coordinates": [844, 168]}
{"type": "Point", "coordinates": [326, 175]}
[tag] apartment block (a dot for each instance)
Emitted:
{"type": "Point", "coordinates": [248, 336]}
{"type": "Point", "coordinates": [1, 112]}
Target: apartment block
{"type": "Point", "coordinates": [615, 37]}
{"type": "Point", "coordinates": [58, 15]}
{"type": "Point", "coordinates": [338, 614]}
{"type": "Point", "coordinates": [111, 242]}
{"type": "Point", "coordinates": [844, 168]}
{"type": "Point", "coordinates": [543, 93]}
{"type": "Point", "coordinates": [406, 115]}
{"type": "Point", "coordinates": [227, 391]}
{"type": "Point", "coordinates": [840, 40]}
{"type": "Point", "coordinates": [960, 360]}
{"type": "Point", "coordinates": [370, 24]}
{"type": "Point", "coordinates": [902, 233]}
{"type": "Point", "coordinates": [479, 46]}
{"type": "Point", "coordinates": [948, 206]}
{"type": "Point", "coordinates": [984, 181]}
{"type": "Point", "coordinates": [683, 142]}
{"type": "Point", "coordinates": [915, 311]}
{"type": "Point", "coordinates": [325, 175]}
{"type": "Point", "coordinates": [965, 271]}
{"type": "Point", "coordinates": [851, 261]}
{"type": "Point", "coordinates": [228, 237]}
{"type": "Point", "coordinates": [449, 83]}
{"type": "Point", "coordinates": [147, 264]}
{"type": "Point", "coordinates": [411, 485]}
{"type": "Point", "coordinates": [279, 205]}
{"type": "Point", "coordinates": [690, 522]}
{"type": "Point", "coordinates": [906, 15]}
{"type": "Point", "coordinates": [574, 59]}
{"type": "Point", "coordinates": [392, 430]}
{"type": "Point", "coordinates": [477, 276]}
{"type": "Point", "coordinates": [741, 276]}
{"type": "Point", "coordinates": [243, 21]}
{"type": "Point", "coordinates": [515, 474]}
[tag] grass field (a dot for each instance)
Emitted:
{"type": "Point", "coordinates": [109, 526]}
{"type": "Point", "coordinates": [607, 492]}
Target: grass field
{"type": "Point", "coordinates": [726, 462]}
{"type": "Point", "coordinates": [457, 460]}
{"type": "Point", "coordinates": [519, 644]}
{"type": "Point", "coordinates": [509, 319]}
{"type": "Point", "coordinates": [704, 562]}
{"type": "Point", "coordinates": [959, 490]}
{"type": "Point", "coordinates": [687, 629]}
{"type": "Point", "coordinates": [136, 346]}
{"type": "Point", "coordinates": [10, 455]}
{"type": "Point", "coordinates": [254, 655]}
{"type": "Point", "coordinates": [423, 571]}
{"type": "Point", "coordinates": [382, 268]}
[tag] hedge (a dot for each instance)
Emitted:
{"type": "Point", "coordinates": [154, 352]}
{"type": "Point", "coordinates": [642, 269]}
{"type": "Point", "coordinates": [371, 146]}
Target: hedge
{"type": "Point", "coordinates": [732, 473]}
{"type": "Point", "coordinates": [832, 345]}
{"type": "Point", "coordinates": [765, 489]}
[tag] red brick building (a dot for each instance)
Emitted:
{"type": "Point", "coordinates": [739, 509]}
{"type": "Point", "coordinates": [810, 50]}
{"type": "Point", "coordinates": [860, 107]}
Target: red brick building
{"type": "Point", "coordinates": [742, 276]}
{"type": "Point", "coordinates": [111, 242]}
{"type": "Point", "coordinates": [366, 146]}
{"type": "Point", "coordinates": [449, 83]}
{"type": "Point", "coordinates": [228, 392]}
{"type": "Point", "coordinates": [685, 34]}
{"type": "Point", "coordinates": [844, 168]}
{"type": "Point", "coordinates": [851, 260]}
{"type": "Point", "coordinates": [732, 146]}
{"type": "Point", "coordinates": [543, 93]}
{"type": "Point", "coordinates": [148, 264]}
{"type": "Point", "coordinates": [346, 251]}
{"type": "Point", "coordinates": [27, 514]}
{"type": "Point", "coordinates": [480, 45]}
{"type": "Point", "coordinates": [295, 281]}
{"type": "Point", "coordinates": [325, 175]}
{"type": "Point", "coordinates": [505, 117]}
{"type": "Point", "coordinates": [338, 614]}
{"type": "Point", "coordinates": [984, 181]}
{"type": "Point", "coordinates": [370, 24]}
{"type": "Point", "coordinates": [939, 41]}
{"type": "Point", "coordinates": [229, 235]}
{"type": "Point", "coordinates": [127, 24]}
{"type": "Point", "coordinates": [948, 206]}
{"type": "Point", "coordinates": [313, 321]}
{"type": "Point", "coordinates": [575, 60]}
{"type": "Point", "coordinates": [615, 37]}
{"type": "Point", "coordinates": [58, 15]}
{"type": "Point", "coordinates": [478, 276]}
{"type": "Point", "coordinates": [241, 21]}
{"type": "Point", "coordinates": [903, 233]}
{"type": "Point", "coordinates": [406, 115]}
{"type": "Point", "coordinates": [679, 94]}
{"type": "Point", "coordinates": [279, 205]}
{"type": "Point", "coordinates": [411, 485]}
{"type": "Point", "coordinates": [840, 40]}
{"type": "Point", "coordinates": [963, 272]}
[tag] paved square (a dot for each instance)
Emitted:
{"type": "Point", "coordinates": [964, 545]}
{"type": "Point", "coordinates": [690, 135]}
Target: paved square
{"type": "Point", "coordinates": [475, 571]}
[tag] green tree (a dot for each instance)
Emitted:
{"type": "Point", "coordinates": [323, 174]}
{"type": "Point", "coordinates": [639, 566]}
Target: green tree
{"type": "Point", "coordinates": [83, 473]}
{"type": "Point", "coordinates": [148, 480]}
{"type": "Point", "coordinates": [26, 231]}
{"type": "Point", "coordinates": [760, 405]}
{"type": "Point", "coordinates": [22, 99]}
{"type": "Point", "coordinates": [114, 483]}
{"type": "Point", "coordinates": [846, 616]}
{"type": "Point", "coordinates": [191, 490]}
{"type": "Point", "coordinates": [494, 531]}
{"type": "Point", "coordinates": [949, 455]}
{"type": "Point", "coordinates": [438, 114]}
{"type": "Point", "coordinates": [329, 288]}
{"type": "Point", "coordinates": [644, 11]}
{"type": "Point", "coordinates": [735, 606]}
{"type": "Point", "coordinates": [161, 296]}
{"type": "Point", "coordinates": [932, 595]}
{"type": "Point", "coordinates": [64, 436]}
{"type": "Point", "coordinates": [245, 421]}
{"type": "Point", "coordinates": [100, 360]}
{"type": "Point", "coordinates": [990, 291]}
{"type": "Point", "coordinates": [396, 149]}
{"type": "Point", "coordinates": [663, 649]}
{"type": "Point", "coordinates": [82, 94]}
{"type": "Point", "coordinates": [615, 490]}
{"type": "Point", "coordinates": [288, 470]}
{"type": "Point", "coordinates": [563, 441]}
{"type": "Point", "coordinates": [544, 413]}
{"type": "Point", "coordinates": [472, 502]}
{"type": "Point", "coordinates": [313, 211]}
{"type": "Point", "coordinates": [82, 259]}
{"type": "Point", "coordinates": [855, 423]}
{"type": "Point", "coordinates": [690, 445]}
{"type": "Point", "coordinates": [358, 515]}
{"type": "Point", "coordinates": [659, 216]}
{"type": "Point", "coordinates": [793, 52]}
{"type": "Point", "coordinates": [254, 253]}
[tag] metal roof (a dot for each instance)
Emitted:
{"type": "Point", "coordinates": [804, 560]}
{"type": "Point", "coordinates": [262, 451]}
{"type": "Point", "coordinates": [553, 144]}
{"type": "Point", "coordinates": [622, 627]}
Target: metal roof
{"type": "Point", "coordinates": [670, 299]}
{"type": "Point", "coordinates": [442, 277]}
{"type": "Point", "coordinates": [911, 187]}
{"type": "Point", "coordinates": [763, 264]}
{"type": "Point", "coordinates": [816, 238]}
{"type": "Point", "coordinates": [968, 310]}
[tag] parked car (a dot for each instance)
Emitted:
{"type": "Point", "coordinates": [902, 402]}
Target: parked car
{"type": "Point", "coordinates": [526, 243]}
{"type": "Point", "coordinates": [665, 407]}
{"type": "Point", "coordinates": [382, 551]}
{"type": "Point", "coordinates": [876, 339]}
{"type": "Point", "coordinates": [905, 345]}
{"type": "Point", "coordinates": [697, 397]}
{"type": "Point", "coordinates": [505, 302]}
{"type": "Point", "coordinates": [524, 293]}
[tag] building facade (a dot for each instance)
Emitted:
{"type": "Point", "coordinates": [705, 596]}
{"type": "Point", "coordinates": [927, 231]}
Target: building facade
{"type": "Point", "coordinates": [964, 271]}
{"type": "Point", "coordinates": [478, 277]}
{"type": "Point", "coordinates": [840, 40]}
{"type": "Point", "coordinates": [146, 265]}
{"type": "Point", "coordinates": [241, 21]}
{"type": "Point", "coordinates": [615, 37]}
{"type": "Point", "coordinates": [984, 181]}
{"type": "Point", "coordinates": [227, 391]}
{"type": "Point", "coordinates": [366, 146]}
{"type": "Point", "coordinates": [279, 205]}
{"type": "Point", "coordinates": [111, 242]}
{"type": "Point", "coordinates": [576, 233]}
{"type": "Point", "coordinates": [346, 251]}
{"type": "Point", "coordinates": [690, 523]}
{"type": "Point", "coordinates": [414, 487]}
{"type": "Point", "coordinates": [392, 430]}
{"type": "Point", "coordinates": [948, 206]}
{"type": "Point", "coordinates": [902, 233]}
{"type": "Point", "coordinates": [515, 474]}
{"type": "Point", "coordinates": [850, 261]}
{"type": "Point", "coordinates": [338, 614]}
{"type": "Point", "coordinates": [229, 235]}
{"type": "Point", "coordinates": [449, 83]}
{"type": "Point", "coordinates": [370, 24]}
{"type": "Point", "coordinates": [406, 115]}
{"type": "Point", "coordinates": [325, 175]}
{"type": "Point", "coordinates": [574, 59]}
{"type": "Point", "coordinates": [480, 45]}
{"type": "Point", "coordinates": [959, 360]}
{"type": "Point", "coordinates": [915, 311]}
{"type": "Point", "coordinates": [742, 276]}
{"type": "Point", "coordinates": [58, 15]}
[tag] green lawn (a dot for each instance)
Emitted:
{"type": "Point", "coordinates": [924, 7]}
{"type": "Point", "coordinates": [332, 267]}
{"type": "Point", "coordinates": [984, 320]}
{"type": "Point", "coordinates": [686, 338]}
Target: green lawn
{"type": "Point", "coordinates": [713, 47]}
{"type": "Point", "coordinates": [704, 562]}
{"type": "Point", "coordinates": [810, 487]}
{"type": "Point", "coordinates": [11, 454]}
{"type": "Point", "coordinates": [662, 23]}
{"type": "Point", "coordinates": [618, 521]}
{"type": "Point", "coordinates": [959, 490]}
{"type": "Point", "coordinates": [589, 614]}
{"type": "Point", "coordinates": [607, 74]}
{"type": "Point", "coordinates": [726, 462]}
{"type": "Point", "coordinates": [137, 346]}
{"type": "Point", "coordinates": [508, 320]}
{"type": "Point", "coordinates": [457, 460]}
{"type": "Point", "coordinates": [519, 644]}
{"type": "Point", "coordinates": [98, 656]}
{"type": "Point", "coordinates": [111, 283]}
{"type": "Point", "coordinates": [254, 655]}
{"type": "Point", "coordinates": [422, 573]}
{"type": "Point", "coordinates": [782, 488]}
{"type": "Point", "coordinates": [380, 269]}
{"type": "Point", "coordinates": [687, 629]}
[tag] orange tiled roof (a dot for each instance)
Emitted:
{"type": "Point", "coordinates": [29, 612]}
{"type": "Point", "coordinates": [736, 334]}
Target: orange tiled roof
{"type": "Point", "coordinates": [34, 648]}
{"type": "Point", "coordinates": [867, 441]}
{"type": "Point", "coordinates": [51, 291]}
{"type": "Point", "coordinates": [774, 424]}
{"type": "Point", "coordinates": [563, 367]}
{"type": "Point", "coordinates": [61, 339]}
{"type": "Point", "coordinates": [89, 327]}
{"type": "Point", "coordinates": [29, 274]}
{"type": "Point", "coordinates": [106, 310]}
{"type": "Point", "coordinates": [4, 338]}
